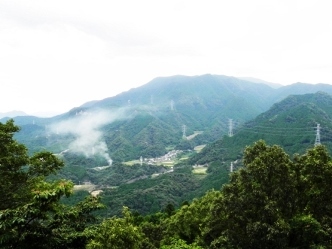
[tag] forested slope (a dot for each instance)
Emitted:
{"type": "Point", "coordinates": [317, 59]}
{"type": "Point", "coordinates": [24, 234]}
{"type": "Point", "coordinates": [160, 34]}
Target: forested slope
{"type": "Point", "coordinates": [291, 123]}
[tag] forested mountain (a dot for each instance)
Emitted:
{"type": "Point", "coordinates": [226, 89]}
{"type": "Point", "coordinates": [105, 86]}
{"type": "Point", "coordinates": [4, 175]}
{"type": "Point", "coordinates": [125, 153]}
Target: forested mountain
{"type": "Point", "coordinates": [97, 139]}
{"type": "Point", "coordinates": [145, 120]}
{"type": "Point", "coordinates": [291, 123]}
{"type": "Point", "coordinates": [299, 88]}
{"type": "Point", "coordinates": [159, 116]}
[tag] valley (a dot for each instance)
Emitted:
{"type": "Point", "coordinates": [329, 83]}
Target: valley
{"type": "Point", "coordinates": [177, 147]}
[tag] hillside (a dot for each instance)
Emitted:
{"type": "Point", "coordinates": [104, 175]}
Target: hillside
{"type": "Point", "coordinates": [159, 117]}
{"type": "Point", "coordinates": [146, 120]}
{"type": "Point", "coordinates": [291, 123]}
{"type": "Point", "coordinates": [153, 119]}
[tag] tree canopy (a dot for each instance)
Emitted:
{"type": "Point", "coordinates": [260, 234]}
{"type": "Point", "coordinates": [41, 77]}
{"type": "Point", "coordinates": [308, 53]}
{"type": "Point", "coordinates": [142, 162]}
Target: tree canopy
{"type": "Point", "coordinates": [274, 201]}
{"type": "Point", "coordinates": [31, 214]}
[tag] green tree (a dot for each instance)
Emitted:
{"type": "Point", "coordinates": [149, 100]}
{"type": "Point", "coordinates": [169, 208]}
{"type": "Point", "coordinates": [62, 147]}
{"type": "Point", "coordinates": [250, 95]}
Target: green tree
{"type": "Point", "coordinates": [180, 244]}
{"type": "Point", "coordinates": [312, 222]}
{"type": "Point", "coordinates": [272, 202]}
{"type": "Point", "coordinates": [275, 202]}
{"type": "Point", "coordinates": [189, 223]}
{"type": "Point", "coordinates": [116, 233]}
{"type": "Point", "coordinates": [31, 215]}
{"type": "Point", "coordinates": [13, 179]}
{"type": "Point", "coordinates": [259, 199]}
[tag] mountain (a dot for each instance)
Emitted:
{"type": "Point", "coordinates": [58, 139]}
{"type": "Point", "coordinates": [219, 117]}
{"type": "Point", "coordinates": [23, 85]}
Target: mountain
{"type": "Point", "coordinates": [145, 120]}
{"type": "Point", "coordinates": [206, 93]}
{"type": "Point", "coordinates": [160, 116]}
{"type": "Point", "coordinates": [259, 81]}
{"type": "Point", "coordinates": [299, 88]}
{"type": "Point", "coordinates": [291, 123]}
{"type": "Point", "coordinates": [12, 114]}
{"type": "Point", "coordinates": [149, 120]}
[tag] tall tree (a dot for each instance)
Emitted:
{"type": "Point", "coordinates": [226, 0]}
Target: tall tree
{"type": "Point", "coordinates": [276, 202]}
{"type": "Point", "coordinates": [31, 215]}
{"type": "Point", "coordinates": [272, 202]}
{"type": "Point", "coordinates": [116, 233]}
{"type": "Point", "coordinates": [258, 199]}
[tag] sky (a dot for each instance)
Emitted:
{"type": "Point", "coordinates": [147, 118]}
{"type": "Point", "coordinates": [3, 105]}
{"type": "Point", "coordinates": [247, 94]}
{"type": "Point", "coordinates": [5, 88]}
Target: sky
{"type": "Point", "coordinates": [57, 55]}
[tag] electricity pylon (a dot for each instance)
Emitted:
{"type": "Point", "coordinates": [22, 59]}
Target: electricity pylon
{"type": "Point", "coordinates": [317, 140]}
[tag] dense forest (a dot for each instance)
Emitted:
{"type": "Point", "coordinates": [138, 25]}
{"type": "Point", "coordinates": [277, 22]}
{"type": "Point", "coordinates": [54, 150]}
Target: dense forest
{"type": "Point", "coordinates": [273, 201]}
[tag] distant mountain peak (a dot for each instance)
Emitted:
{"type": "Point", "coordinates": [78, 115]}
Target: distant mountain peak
{"type": "Point", "coordinates": [259, 81]}
{"type": "Point", "coordinates": [12, 114]}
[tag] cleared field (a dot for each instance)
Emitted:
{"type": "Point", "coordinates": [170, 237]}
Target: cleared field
{"type": "Point", "coordinates": [168, 163]}
{"type": "Point", "coordinates": [131, 163]}
{"type": "Point", "coordinates": [200, 170]}
{"type": "Point", "coordinates": [198, 148]}
{"type": "Point", "coordinates": [86, 187]}
{"type": "Point", "coordinates": [169, 148]}
{"type": "Point", "coordinates": [194, 135]}
{"type": "Point", "coordinates": [165, 163]}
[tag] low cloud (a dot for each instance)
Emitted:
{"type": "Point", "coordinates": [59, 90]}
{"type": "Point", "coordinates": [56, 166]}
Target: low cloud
{"type": "Point", "coordinates": [85, 126]}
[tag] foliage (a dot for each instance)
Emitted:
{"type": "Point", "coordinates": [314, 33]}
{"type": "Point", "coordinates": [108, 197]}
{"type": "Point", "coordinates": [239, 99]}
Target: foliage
{"type": "Point", "coordinates": [116, 233]}
{"type": "Point", "coordinates": [149, 195]}
{"type": "Point", "coordinates": [31, 215]}
{"type": "Point", "coordinates": [272, 202]}
{"type": "Point", "coordinates": [189, 222]}
{"type": "Point", "coordinates": [180, 244]}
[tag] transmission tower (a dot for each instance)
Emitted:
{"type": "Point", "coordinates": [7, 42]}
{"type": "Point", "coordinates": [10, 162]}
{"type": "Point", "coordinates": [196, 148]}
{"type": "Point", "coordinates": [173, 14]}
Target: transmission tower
{"type": "Point", "coordinates": [230, 128]}
{"type": "Point", "coordinates": [172, 105]}
{"type": "Point", "coordinates": [184, 131]}
{"type": "Point", "coordinates": [317, 140]}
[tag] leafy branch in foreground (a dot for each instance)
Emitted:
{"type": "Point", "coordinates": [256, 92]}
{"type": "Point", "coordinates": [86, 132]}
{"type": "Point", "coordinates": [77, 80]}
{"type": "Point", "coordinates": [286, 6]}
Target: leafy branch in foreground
{"type": "Point", "coordinates": [31, 214]}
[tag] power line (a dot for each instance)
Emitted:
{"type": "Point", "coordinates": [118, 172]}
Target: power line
{"type": "Point", "coordinates": [278, 133]}
{"type": "Point", "coordinates": [321, 133]}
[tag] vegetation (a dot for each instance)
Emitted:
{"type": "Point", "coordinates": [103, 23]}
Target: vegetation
{"type": "Point", "coordinates": [273, 201]}
{"type": "Point", "coordinates": [291, 123]}
{"type": "Point", "coordinates": [31, 215]}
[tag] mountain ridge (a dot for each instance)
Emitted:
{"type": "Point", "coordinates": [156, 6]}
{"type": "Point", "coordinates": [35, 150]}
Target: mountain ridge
{"type": "Point", "coordinates": [290, 123]}
{"type": "Point", "coordinates": [121, 99]}
{"type": "Point", "coordinates": [164, 105]}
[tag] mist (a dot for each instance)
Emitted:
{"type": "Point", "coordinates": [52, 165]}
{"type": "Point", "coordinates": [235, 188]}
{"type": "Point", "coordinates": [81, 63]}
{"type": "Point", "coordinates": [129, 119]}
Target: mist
{"type": "Point", "coordinates": [85, 126]}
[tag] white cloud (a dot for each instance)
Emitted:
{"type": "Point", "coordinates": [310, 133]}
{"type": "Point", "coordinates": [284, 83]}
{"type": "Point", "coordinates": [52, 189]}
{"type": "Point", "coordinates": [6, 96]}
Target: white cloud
{"type": "Point", "coordinates": [86, 127]}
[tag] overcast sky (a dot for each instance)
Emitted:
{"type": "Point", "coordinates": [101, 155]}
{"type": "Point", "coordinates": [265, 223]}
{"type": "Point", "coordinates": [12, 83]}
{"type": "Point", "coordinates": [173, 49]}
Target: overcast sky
{"type": "Point", "coordinates": [56, 55]}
